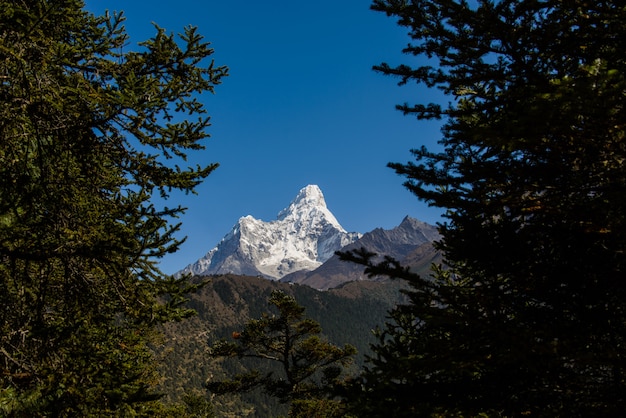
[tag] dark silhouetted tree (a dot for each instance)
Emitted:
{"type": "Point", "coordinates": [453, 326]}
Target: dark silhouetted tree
{"type": "Point", "coordinates": [529, 317]}
{"type": "Point", "coordinates": [90, 130]}
{"type": "Point", "coordinates": [298, 366]}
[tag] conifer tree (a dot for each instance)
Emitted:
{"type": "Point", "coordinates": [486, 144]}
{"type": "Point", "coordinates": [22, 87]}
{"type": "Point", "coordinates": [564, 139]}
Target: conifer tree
{"type": "Point", "coordinates": [298, 366]}
{"type": "Point", "coordinates": [529, 316]}
{"type": "Point", "coordinates": [90, 129]}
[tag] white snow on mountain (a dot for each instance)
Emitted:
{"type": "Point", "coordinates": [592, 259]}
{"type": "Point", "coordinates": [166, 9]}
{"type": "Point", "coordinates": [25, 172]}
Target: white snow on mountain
{"type": "Point", "coordinates": [304, 235]}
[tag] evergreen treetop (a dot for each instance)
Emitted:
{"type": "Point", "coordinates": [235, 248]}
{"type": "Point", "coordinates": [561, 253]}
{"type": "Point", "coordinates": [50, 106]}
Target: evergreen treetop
{"type": "Point", "coordinates": [527, 318]}
{"type": "Point", "coordinates": [90, 129]}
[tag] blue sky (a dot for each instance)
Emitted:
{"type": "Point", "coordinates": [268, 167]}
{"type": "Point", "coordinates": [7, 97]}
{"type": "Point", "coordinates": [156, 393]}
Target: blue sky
{"type": "Point", "coordinates": [301, 106]}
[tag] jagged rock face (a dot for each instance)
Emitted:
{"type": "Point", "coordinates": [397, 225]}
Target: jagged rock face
{"type": "Point", "coordinates": [304, 235]}
{"type": "Point", "coordinates": [410, 243]}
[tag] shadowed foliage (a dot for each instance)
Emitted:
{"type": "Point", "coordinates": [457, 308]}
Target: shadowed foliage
{"type": "Point", "coordinates": [529, 318]}
{"type": "Point", "coordinates": [90, 130]}
{"type": "Point", "coordinates": [299, 367]}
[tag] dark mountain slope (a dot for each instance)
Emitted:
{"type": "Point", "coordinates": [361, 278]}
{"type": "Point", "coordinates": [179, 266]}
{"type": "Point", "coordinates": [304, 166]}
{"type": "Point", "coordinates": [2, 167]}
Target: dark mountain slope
{"type": "Point", "coordinates": [347, 314]}
{"type": "Point", "coordinates": [410, 243]}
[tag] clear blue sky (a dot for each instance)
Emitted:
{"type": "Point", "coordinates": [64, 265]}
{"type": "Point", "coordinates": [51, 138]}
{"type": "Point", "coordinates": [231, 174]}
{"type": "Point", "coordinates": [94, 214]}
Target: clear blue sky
{"type": "Point", "coordinates": [301, 106]}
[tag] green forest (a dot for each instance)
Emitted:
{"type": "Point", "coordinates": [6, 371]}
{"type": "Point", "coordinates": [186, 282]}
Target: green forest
{"type": "Point", "coordinates": [525, 316]}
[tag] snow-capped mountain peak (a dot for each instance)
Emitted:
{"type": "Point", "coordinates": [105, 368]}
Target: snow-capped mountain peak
{"type": "Point", "coordinates": [304, 235]}
{"type": "Point", "coordinates": [309, 197]}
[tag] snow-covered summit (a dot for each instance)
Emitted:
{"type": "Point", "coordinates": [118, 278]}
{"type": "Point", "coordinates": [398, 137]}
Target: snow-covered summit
{"type": "Point", "coordinates": [304, 235]}
{"type": "Point", "coordinates": [308, 197]}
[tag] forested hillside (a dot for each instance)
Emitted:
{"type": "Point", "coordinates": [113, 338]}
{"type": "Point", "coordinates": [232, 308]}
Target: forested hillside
{"type": "Point", "coordinates": [347, 315]}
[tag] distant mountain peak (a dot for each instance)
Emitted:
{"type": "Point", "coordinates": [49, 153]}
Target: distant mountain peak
{"type": "Point", "coordinates": [304, 235]}
{"type": "Point", "coordinates": [308, 197]}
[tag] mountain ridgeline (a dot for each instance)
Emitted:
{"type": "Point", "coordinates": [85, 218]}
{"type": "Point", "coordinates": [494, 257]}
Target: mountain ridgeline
{"type": "Point", "coordinates": [304, 235]}
{"type": "Point", "coordinates": [300, 245]}
{"type": "Point", "coordinates": [410, 243]}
